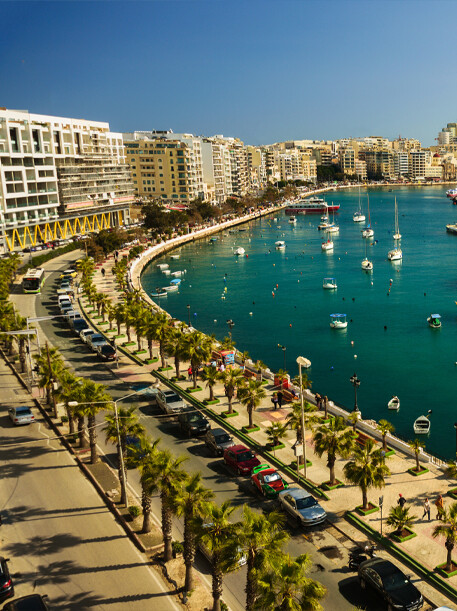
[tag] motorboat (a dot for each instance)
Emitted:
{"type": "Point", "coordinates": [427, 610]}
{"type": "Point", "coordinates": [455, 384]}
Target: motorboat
{"type": "Point", "coordinates": [280, 245]}
{"type": "Point", "coordinates": [396, 253]}
{"type": "Point", "coordinates": [333, 229]}
{"type": "Point", "coordinates": [338, 321]}
{"type": "Point", "coordinates": [161, 293]}
{"type": "Point", "coordinates": [178, 273]}
{"type": "Point", "coordinates": [293, 220]}
{"type": "Point", "coordinates": [324, 225]}
{"type": "Point", "coordinates": [421, 425]}
{"type": "Point", "coordinates": [434, 321]}
{"type": "Point", "coordinates": [329, 283]}
{"type": "Point", "coordinates": [394, 403]}
{"type": "Point", "coordinates": [367, 265]}
{"type": "Point", "coordinates": [175, 257]}
{"type": "Point", "coordinates": [358, 217]}
{"type": "Point", "coordinates": [171, 288]}
{"type": "Point", "coordinates": [327, 246]}
{"type": "Point", "coordinates": [166, 272]}
{"type": "Point", "coordinates": [214, 239]}
{"type": "Point", "coordinates": [163, 266]}
{"type": "Point", "coordinates": [451, 193]}
{"type": "Point", "coordinates": [239, 251]}
{"type": "Point", "coordinates": [176, 281]}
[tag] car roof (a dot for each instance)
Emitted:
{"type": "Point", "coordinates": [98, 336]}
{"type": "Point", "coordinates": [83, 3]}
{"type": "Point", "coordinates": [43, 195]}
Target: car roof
{"type": "Point", "coordinates": [381, 566]}
{"type": "Point", "coordinates": [238, 448]}
{"type": "Point", "coordinates": [217, 432]}
{"type": "Point", "coordinates": [298, 493]}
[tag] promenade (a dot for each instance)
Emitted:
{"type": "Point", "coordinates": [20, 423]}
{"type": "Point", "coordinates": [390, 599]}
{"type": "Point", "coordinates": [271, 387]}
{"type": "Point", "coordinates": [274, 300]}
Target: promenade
{"type": "Point", "coordinates": [425, 549]}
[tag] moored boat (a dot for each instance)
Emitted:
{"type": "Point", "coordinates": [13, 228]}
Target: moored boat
{"type": "Point", "coordinates": [175, 257]}
{"type": "Point", "coordinates": [280, 245]}
{"type": "Point", "coordinates": [396, 253]}
{"type": "Point", "coordinates": [328, 245]}
{"type": "Point", "coordinates": [239, 251]}
{"type": "Point", "coordinates": [171, 288]}
{"type": "Point", "coordinates": [421, 425]}
{"type": "Point", "coordinates": [163, 266]}
{"type": "Point", "coordinates": [394, 403]}
{"type": "Point", "coordinates": [313, 205]}
{"type": "Point", "coordinates": [329, 283]}
{"type": "Point", "coordinates": [434, 321]}
{"type": "Point", "coordinates": [293, 220]}
{"type": "Point", "coordinates": [338, 321]}
{"type": "Point", "coordinates": [162, 293]}
{"type": "Point", "coordinates": [367, 265]}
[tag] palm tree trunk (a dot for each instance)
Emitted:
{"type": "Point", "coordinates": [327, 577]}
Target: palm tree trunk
{"type": "Point", "coordinates": [177, 363]}
{"type": "Point", "coordinates": [147, 515]}
{"type": "Point", "coordinates": [150, 348]}
{"type": "Point", "coordinates": [118, 327]}
{"type": "Point", "coordinates": [216, 583]}
{"type": "Point", "coordinates": [418, 468]}
{"type": "Point", "coordinates": [331, 466]}
{"type": "Point", "coordinates": [119, 474]}
{"type": "Point", "coordinates": [162, 353]}
{"type": "Point", "coordinates": [250, 582]}
{"type": "Point", "coordinates": [251, 424]}
{"type": "Point", "coordinates": [449, 547]}
{"type": "Point", "coordinates": [127, 328]}
{"type": "Point", "coordinates": [384, 443]}
{"type": "Point", "coordinates": [364, 499]}
{"type": "Point", "coordinates": [92, 439]}
{"type": "Point", "coordinates": [211, 393]}
{"type": "Point", "coordinates": [166, 528]}
{"type": "Point", "coordinates": [189, 553]}
{"type": "Point", "coordinates": [81, 433]}
{"type": "Point", "coordinates": [194, 375]}
{"type": "Point", "coordinates": [229, 394]}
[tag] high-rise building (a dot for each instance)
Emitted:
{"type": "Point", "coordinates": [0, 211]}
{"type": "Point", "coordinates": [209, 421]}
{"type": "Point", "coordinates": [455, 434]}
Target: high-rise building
{"type": "Point", "coordinates": [400, 164]}
{"type": "Point", "coordinates": [59, 177]}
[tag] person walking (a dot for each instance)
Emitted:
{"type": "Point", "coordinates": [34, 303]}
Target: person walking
{"type": "Point", "coordinates": [274, 400]}
{"type": "Point", "coordinates": [426, 509]}
{"type": "Point", "coordinates": [439, 506]}
{"type": "Point", "coordinates": [103, 272]}
{"type": "Point", "coordinates": [280, 397]}
{"type": "Point", "coordinates": [189, 372]}
{"type": "Point", "coordinates": [401, 500]}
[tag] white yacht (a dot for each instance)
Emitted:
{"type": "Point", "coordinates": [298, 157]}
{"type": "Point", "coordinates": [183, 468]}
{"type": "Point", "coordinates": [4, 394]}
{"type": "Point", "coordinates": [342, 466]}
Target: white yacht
{"type": "Point", "coordinates": [293, 220]}
{"type": "Point", "coordinates": [280, 245]}
{"type": "Point", "coordinates": [239, 251]}
{"type": "Point", "coordinates": [396, 253]}
{"type": "Point", "coordinates": [329, 283]}
{"type": "Point", "coordinates": [338, 321]}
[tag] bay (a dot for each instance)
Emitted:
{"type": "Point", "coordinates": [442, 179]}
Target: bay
{"type": "Point", "coordinates": [276, 297]}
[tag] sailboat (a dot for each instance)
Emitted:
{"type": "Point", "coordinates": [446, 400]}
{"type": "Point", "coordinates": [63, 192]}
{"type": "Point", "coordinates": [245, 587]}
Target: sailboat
{"type": "Point", "coordinates": [367, 265]}
{"type": "Point", "coordinates": [333, 228]}
{"type": "Point", "coordinates": [368, 231]}
{"type": "Point", "coordinates": [396, 254]}
{"type": "Point", "coordinates": [358, 216]}
{"type": "Point", "coordinates": [328, 245]}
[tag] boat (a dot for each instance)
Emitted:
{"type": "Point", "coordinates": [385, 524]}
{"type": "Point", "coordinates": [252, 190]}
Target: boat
{"type": "Point", "coordinates": [328, 245]}
{"type": "Point", "coordinates": [451, 193]}
{"type": "Point", "coordinates": [176, 281]}
{"type": "Point", "coordinates": [451, 228]}
{"type": "Point", "coordinates": [329, 283]}
{"type": "Point", "coordinates": [368, 231]}
{"type": "Point", "coordinates": [280, 245]}
{"type": "Point", "coordinates": [178, 273]}
{"type": "Point", "coordinates": [293, 220]}
{"type": "Point", "coordinates": [324, 225]}
{"type": "Point", "coordinates": [172, 287]}
{"type": "Point", "coordinates": [163, 266]}
{"type": "Point", "coordinates": [175, 257]}
{"type": "Point", "coordinates": [394, 403]}
{"type": "Point", "coordinates": [338, 321]}
{"type": "Point", "coordinates": [324, 217]}
{"type": "Point", "coordinates": [313, 205]}
{"type": "Point", "coordinates": [367, 265]}
{"type": "Point", "coordinates": [396, 253]}
{"type": "Point", "coordinates": [333, 227]}
{"type": "Point", "coordinates": [421, 425]}
{"type": "Point", "coordinates": [162, 293]}
{"type": "Point", "coordinates": [166, 272]}
{"type": "Point", "coordinates": [239, 251]}
{"type": "Point", "coordinates": [434, 321]}
{"type": "Point", "coordinates": [213, 239]}
{"type": "Point", "coordinates": [358, 216]}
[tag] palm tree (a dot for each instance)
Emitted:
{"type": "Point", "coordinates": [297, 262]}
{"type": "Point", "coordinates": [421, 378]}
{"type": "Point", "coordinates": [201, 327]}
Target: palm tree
{"type": "Point", "coordinates": [92, 398]}
{"type": "Point", "coordinates": [211, 376]}
{"type": "Point", "coordinates": [334, 439]}
{"type": "Point", "coordinates": [143, 457]}
{"type": "Point", "coordinates": [129, 319]}
{"type": "Point", "coordinates": [448, 529]}
{"type": "Point", "coordinates": [400, 518]}
{"type": "Point", "coordinates": [287, 587]}
{"type": "Point", "coordinates": [294, 420]}
{"type": "Point", "coordinates": [129, 426]}
{"type": "Point", "coordinates": [198, 350]}
{"type": "Point", "coordinates": [169, 476]}
{"type": "Point", "coordinates": [162, 329]}
{"type": "Point", "coordinates": [105, 304]}
{"type": "Point", "coordinates": [353, 418]}
{"type": "Point", "coordinates": [68, 391]}
{"type": "Point", "coordinates": [385, 427]}
{"type": "Point", "coordinates": [99, 299]}
{"type": "Point", "coordinates": [19, 323]}
{"type": "Point", "coordinates": [176, 346]}
{"type": "Point", "coordinates": [416, 446]}
{"type": "Point", "coordinates": [217, 533]}
{"type": "Point", "coordinates": [191, 502]}
{"type": "Point", "coordinates": [119, 315]}
{"type": "Point", "coordinates": [260, 367]}
{"type": "Point", "coordinates": [50, 365]}
{"type": "Point", "coordinates": [367, 469]}
{"type": "Point", "coordinates": [251, 396]}
{"type": "Point", "coordinates": [275, 432]}
{"type": "Point", "coordinates": [227, 344]}
{"type": "Point", "coordinates": [260, 537]}
{"type": "Point", "coordinates": [232, 379]}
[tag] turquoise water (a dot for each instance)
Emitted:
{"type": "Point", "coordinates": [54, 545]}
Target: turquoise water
{"type": "Point", "coordinates": [407, 358]}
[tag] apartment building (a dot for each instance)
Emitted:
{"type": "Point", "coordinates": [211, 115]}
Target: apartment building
{"type": "Point", "coordinates": [59, 177]}
{"type": "Point", "coordinates": [217, 170]}
{"type": "Point", "coordinates": [379, 163]}
{"type": "Point", "coordinates": [361, 169]}
{"type": "Point", "coordinates": [400, 164]}
{"type": "Point", "coordinates": [346, 159]}
{"type": "Point", "coordinates": [257, 167]}
{"type": "Point", "coordinates": [418, 160]}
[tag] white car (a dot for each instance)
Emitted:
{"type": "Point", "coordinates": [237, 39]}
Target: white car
{"type": "Point", "coordinates": [85, 333]}
{"type": "Point", "coordinates": [21, 415]}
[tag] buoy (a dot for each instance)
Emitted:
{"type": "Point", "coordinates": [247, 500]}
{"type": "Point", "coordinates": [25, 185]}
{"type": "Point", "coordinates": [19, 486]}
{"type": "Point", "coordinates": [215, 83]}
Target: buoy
{"type": "Point", "coordinates": [274, 264]}
{"type": "Point", "coordinates": [273, 293]}
{"type": "Point", "coordinates": [215, 320]}
{"type": "Point", "coordinates": [385, 328]}
{"type": "Point", "coordinates": [425, 294]}
{"type": "Point", "coordinates": [372, 283]}
{"type": "Point", "coordinates": [290, 324]}
{"type": "Point", "coordinates": [332, 368]}
{"type": "Point", "coordinates": [225, 289]}
{"type": "Point", "coordinates": [276, 286]}
{"type": "Point", "coordinates": [250, 313]}
{"type": "Point", "coordinates": [352, 342]}
{"type": "Point", "coordinates": [355, 356]}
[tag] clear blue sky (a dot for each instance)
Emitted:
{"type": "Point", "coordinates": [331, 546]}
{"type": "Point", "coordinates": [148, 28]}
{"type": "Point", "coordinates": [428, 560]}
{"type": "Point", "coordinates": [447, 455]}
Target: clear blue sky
{"type": "Point", "coordinates": [259, 70]}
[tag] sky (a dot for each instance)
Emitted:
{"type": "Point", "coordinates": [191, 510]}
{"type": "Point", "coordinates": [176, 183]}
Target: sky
{"type": "Point", "coordinates": [263, 71]}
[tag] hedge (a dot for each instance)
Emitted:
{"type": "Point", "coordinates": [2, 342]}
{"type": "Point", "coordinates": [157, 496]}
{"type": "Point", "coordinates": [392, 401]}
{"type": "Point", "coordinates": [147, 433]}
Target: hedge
{"type": "Point", "coordinates": [50, 254]}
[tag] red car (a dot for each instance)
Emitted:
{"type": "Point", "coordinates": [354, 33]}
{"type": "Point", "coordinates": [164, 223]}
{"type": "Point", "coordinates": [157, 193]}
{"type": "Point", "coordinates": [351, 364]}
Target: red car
{"type": "Point", "coordinates": [268, 481]}
{"type": "Point", "coordinates": [241, 459]}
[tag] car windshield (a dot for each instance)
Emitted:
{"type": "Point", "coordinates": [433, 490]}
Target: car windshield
{"type": "Point", "coordinates": [394, 580]}
{"type": "Point", "coordinates": [272, 477]}
{"type": "Point", "coordinates": [23, 411]}
{"type": "Point", "coordinates": [308, 501]}
{"type": "Point", "coordinates": [196, 418]}
{"type": "Point", "coordinates": [242, 456]}
{"type": "Point", "coordinates": [222, 438]}
{"type": "Point", "coordinates": [173, 398]}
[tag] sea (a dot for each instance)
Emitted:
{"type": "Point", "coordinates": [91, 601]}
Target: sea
{"type": "Point", "coordinates": [280, 310]}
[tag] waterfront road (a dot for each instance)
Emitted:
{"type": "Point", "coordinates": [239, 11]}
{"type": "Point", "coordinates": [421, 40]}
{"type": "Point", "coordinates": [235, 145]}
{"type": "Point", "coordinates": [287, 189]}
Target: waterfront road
{"type": "Point", "coordinates": [327, 547]}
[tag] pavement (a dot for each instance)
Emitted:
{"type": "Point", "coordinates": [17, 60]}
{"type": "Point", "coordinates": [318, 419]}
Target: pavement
{"type": "Point", "coordinates": [424, 548]}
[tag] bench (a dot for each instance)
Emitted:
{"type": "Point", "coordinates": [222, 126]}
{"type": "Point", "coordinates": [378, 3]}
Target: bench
{"type": "Point", "coordinates": [362, 439]}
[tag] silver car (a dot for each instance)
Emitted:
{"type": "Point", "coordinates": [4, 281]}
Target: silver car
{"type": "Point", "coordinates": [21, 415]}
{"type": "Point", "coordinates": [302, 506]}
{"type": "Point", "coordinates": [169, 401]}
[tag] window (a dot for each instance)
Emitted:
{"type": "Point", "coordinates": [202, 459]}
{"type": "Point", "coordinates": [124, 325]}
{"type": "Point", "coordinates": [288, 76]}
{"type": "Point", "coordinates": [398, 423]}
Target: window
{"type": "Point", "coordinates": [14, 140]}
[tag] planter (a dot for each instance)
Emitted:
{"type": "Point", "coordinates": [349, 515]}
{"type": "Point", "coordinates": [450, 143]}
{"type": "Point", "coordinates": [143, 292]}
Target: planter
{"type": "Point", "coordinates": [452, 493]}
{"type": "Point", "coordinates": [293, 464]}
{"type": "Point", "coordinates": [390, 452]}
{"type": "Point", "coordinates": [125, 344]}
{"type": "Point", "coordinates": [271, 448]}
{"type": "Point", "coordinates": [327, 486]}
{"type": "Point", "coordinates": [440, 569]}
{"type": "Point", "coordinates": [246, 429]}
{"type": "Point", "coordinates": [166, 368]}
{"type": "Point", "coordinates": [416, 473]}
{"type": "Point", "coordinates": [150, 361]}
{"type": "Point", "coordinates": [365, 512]}
{"type": "Point", "coordinates": [175, 379]}
{"type": "Point", "coordinates": [191, 388]}
{"type": "Point", "coordinates": [119, 336]}
{"type": "Point", "coordinates": [142, 351]}
{"type": "Point", "coordinates": [208, 402]}
{"type": "Point", "coordinates": [405, 535]}
{"type": "Point", "coordinates": [227, 415]}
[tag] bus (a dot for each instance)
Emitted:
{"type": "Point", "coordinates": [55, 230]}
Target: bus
{"type": "Point", "coordinates": [33, 280]}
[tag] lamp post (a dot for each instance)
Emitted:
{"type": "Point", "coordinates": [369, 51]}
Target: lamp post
{"type": "Point", "coordinates": [305, 363]}
{"type": "Point", "coordinates": [283, 348]}
{"type": "Point", "coordinates": [116, 415]}
{"type": "Point", "coordinates": [188, 312]}
{"type": "Point", "coordinates": [231, 324]}
{"type": "Point", "coordinates": [356, 383]}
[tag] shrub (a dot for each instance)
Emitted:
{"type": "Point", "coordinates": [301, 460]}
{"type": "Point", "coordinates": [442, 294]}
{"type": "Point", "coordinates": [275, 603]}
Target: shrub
{"type": "Point", "coordinates": [134, 511]}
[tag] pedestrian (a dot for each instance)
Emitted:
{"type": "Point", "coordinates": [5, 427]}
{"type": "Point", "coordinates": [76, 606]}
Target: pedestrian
{"type": "Point", "coordinates": [280, 396]}
{"type": "Point", "coordinates": [103, 272]}
{"type": "Point", "coordinates": [222, 367]}
{"type": "Point", "coordinates": [189, 372]}
{"type": "Point", "coordinates": [426, 509]}
{"type": "Point", "coordinates": [274, 400]}
{"type": "Point", "coordinates": [401, 500]}
{"type": "Point", "coordinates": [439, 506]}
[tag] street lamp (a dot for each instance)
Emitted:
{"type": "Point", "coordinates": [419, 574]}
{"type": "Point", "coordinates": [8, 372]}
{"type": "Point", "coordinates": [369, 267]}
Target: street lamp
{"type": "Point", "coordinates": [302, 362]}
{"type": "Point", "coordinates": [116, 415]}
{"type": "Point", "coordinates": [231, 324]}
{"type": "Point", "coordinates": [356, 383]}
{"type": "Point", "coordinates": [188, 312]}
{"type": "Point", "coordinates": [283, 348]}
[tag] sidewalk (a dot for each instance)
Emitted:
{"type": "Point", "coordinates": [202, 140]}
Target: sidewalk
{"type": "Point", "coordinates": [426, 550]}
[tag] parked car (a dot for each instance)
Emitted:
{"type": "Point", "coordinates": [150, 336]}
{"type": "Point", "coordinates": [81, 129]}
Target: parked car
{"type": "Point", "coordinates": [71, 273]}
{"type": "Point", "coordinates": [66, 307]}
{"type": "Point", "coordinates": [78, 325]}
{"type": "Point", "coordinates": [241, 459]}
{"type": "Point", "coordinates": [6, 583]}
{"type": "Point", "coordinates": [217, 440]}
{"type": "Point", "coordinates": [268, 481]}
{"type": "Point", "coordinates": [391, 583]}
{"type": "Point", "coordinates": [106, 352]}
{"type": "Point", "coordinates": [302, 506]}
{"type": "Point", "coordinates": [73, 315]}
{"type": "Point", "coordinates": [32, 602]}
{"type": "Point", "coordinates": [21, 415]}
{"type": "Point", "coordinates": [84, 334]}
{"type": "Point", "coordinates": [192, 422]}
{"type": "Point", "coordinates": [169, 401]}
{"type": "Point", "coordinates": [94, 340]}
